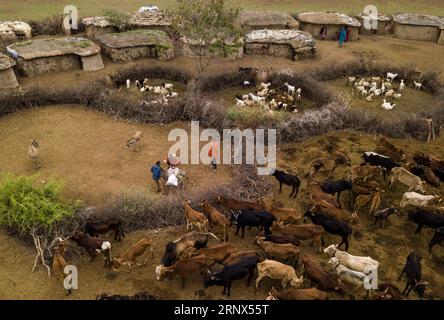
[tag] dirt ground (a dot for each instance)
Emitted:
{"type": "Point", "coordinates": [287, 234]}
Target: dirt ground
{"type": "Point", "coordinates": [17, 282]}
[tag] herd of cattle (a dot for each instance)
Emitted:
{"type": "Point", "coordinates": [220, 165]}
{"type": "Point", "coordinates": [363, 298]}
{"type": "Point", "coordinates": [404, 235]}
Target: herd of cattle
{"type": "Point", "coordinates": [282, 230]}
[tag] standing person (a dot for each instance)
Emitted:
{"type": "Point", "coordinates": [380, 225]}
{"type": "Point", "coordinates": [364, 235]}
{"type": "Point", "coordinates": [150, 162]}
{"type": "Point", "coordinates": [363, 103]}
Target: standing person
{"type": "Point", "coordinates": [213, 152]}
{"type": "Point", "coordinates": [342, 36]}
{"type": "Point", "coordinates": [156, 170]}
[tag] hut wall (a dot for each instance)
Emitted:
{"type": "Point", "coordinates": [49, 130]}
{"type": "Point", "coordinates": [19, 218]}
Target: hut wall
{"type": "Point", "coordinates": [93, 32]}
{"type": "Point", "coordinates": [33, 67]}
{"type": "Point", "coordinates": [8, 79]}
{"type": "Point", "coordinates": [269, 49]}
{"type": "Point", "coordinates": [332, 30]}
{"type": "Point", "coordinates": [441, 38]}
{"type": "Point", "coordinates": [130, 53]}
{"type": "Point", "coordinates": [92, 63]}
{"type": "Point", "coordinates": [411, 32]}
{"type": "Point", "coordinates": [381, 30]}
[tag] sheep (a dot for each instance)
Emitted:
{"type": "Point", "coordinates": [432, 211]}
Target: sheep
{"type": "Point", "coordinates": [376, 79]}
{"type": "Point", "coordinates": [262, 93]}
{"type": "Point", "coordinates": [143, 89]}
{"type": "Point", "coordinates": [397, 96]}
{"type": "Point", "coordinates": [128, 83]}
{"type": "Point", "coordinates": [168, 86]}
{"type": "Point", "coordinates": [273, 104]}
{"type": "Point", "coordinates": [351, 80]}
{"type": "Point", "coordinates": [33, 153]}
{"type": "Point", "coordinates": [389, 94]}
{"type": "Point", "coordinates": [239, 103]}
{"type": "Point", "coordinates": [145, 81]}
{"type": "Point", "coordinates": [131, 143]}
{"type": "Point", "coordinates": [258, 99]}
{"type": "Point", "coordinates": [418, 85]}
{"type": "Point", "coordinates": [172, 94]}
{"type": "Point", "coordinates": [401, 85]}
{"type": "Point", "coordinates": [290, 89]}
{"type": "Point", "coordinates": [138, 84]}
{"type": "Point", "coordinates": [264, 85]}
{"type": "Point", "coordinates": [388, 105]}
{"type": "Point", "coordinates": [370, 98]}
{"type": "Point", "coordinates": [364, 93]}
{"type": "Point", "coordinates": [391, 76]}
{"type": "Point", "coordinates": [377, 92]}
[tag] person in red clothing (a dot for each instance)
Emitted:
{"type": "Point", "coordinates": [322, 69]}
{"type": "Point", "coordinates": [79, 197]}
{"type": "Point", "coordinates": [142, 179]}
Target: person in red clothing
{"type": "Point", "coordinates": [213, 152]}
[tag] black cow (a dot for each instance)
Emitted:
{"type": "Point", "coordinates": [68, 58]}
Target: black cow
{"type": "Point", "coordinates": [336, 186]}
{"type": "Point", "coordinates": [289, 180]}
{"type": "Point", "coordinates": [94, 228]}
{"type": "Point", "coordinates": [332, 226]}
{"type": "Point", "coordinates": [439, 173]}
{"type": "Point", "coordinates": [382, 215]}
{"type": "Point", "coordinates": [413, 272]}
{"type": "Point", "coordinates": [417, 170]}
{"type": "Point", "coordinates": [376, 159]}
{"type": "Point", "coordinates": [423, 217]}
{"type": "Point", "coordinates": [233, 272]}
{"type": "Point", "coordinates": [438, 237]}
{"type": "Point", "coordinates": [261, 219]}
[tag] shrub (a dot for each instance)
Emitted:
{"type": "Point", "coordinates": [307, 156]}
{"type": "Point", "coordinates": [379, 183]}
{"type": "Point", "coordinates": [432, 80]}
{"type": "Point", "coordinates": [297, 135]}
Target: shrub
{"type": "Point", "coordinates": [50, 26]}
{"type": "Point", "coordinates": [117, 19]}
{"type": "Point", "coordinates": [26, 205]}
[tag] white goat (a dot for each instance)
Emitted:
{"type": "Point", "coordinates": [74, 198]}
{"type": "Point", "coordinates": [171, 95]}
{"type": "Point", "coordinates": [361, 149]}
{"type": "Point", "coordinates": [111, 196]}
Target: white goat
{"type": "Point", "coordinates": [391, 76]}
{"type": "Point", "coordinates": [418, 85]}
{"type": "Point", "coordinates": [370, 98]}
{"type": "Point", "coordinates": [401, 85]}
{"type": "Point", "coordinates": [388, 105]}
{"type": "Point", "coordinates": [239, 103]}
{"type": "Point", "coordinates": [264, 85]}
{"type": "Point", "coordinates": [290, 89]}
{"type": "Point", "coordinates": [128, 83]}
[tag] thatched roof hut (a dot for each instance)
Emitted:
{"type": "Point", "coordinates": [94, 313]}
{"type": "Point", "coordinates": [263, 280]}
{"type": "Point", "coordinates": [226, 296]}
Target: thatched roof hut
{"type": "Point", "coordinates": [13, 31]}
{"type": "Point", "coordinates": [382, 27]}
{"type": "Point", "coordinates": [7, 75]}
{"type": "Point", "coordinates": [48, 55]}
{"type": "Point", "coordinates": [421, 27]}
{"type": "Point", "coordinates": [254, 20]}
{"type": "Point", "coordinates": [326, 25]}
{"type": "Point", "coordinates": [287, 43]}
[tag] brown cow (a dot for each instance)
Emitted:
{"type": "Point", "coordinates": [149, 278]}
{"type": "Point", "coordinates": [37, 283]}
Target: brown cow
{"type": "Point", "coordinates": [59, 263]}
{"type": "Point", "coordinates": [316, 194]}
{"type": "Point", "coordinates": [431, 178]}
{"type": "Point", "coordinates": [282, 251]}
{"type": "Point", "coordinates": [319, 277]}
{"type": "Point", "coordinates": [182, 268]}
{"type": "Point", "coordinates": [130, 255]}
{"type": "Point", "coordinates": [286, 215]}
{"type": "Point", "coordinates": [329, 164]}
{"type": "Point", "coordinates": [365, 172]}
{"type": "Point", "coordinates": [93, 245]}
{"type": "Point", "coordinates": [236, 256]}
{"type": "Point", "coordinates": [235, 205]}
{"type": "Point", "coordinates": [297, 294]}
{"type": "Point", "coordinates": [194, 218]}
{"type": "Point", "coordinates": [301, 232]}
{"type": "Point", "coordinates": [374, 198]}
{"type": "Point", "coordinates": [216, 218]}
{"type": "Point", "coordinates": [334, 212]}
{"type": "Point", "coordinates": [218, 253]}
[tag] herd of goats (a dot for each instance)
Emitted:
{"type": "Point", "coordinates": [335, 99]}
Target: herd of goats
{"type": "Point", "coordinates": [282, 230]}
{"type": "Point", "coordinates": [378, 87]}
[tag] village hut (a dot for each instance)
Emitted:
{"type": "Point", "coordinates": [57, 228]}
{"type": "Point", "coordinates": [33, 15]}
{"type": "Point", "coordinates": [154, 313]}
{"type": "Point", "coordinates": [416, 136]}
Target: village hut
{"type": "Point", "coordinates": [13, 31]}
{"type": "Point", "coordinates": [381, 27]}
{"type": "Point", "coordinates": [39, 56]}
{"type": "Point", "coordinates": [232, 49]}
{"type": "Point", "coordinates": [256, 20]}
{"type": "Point", "coordinates": [287, 43]}
{"type": "Point", "coordinates": [7, 75]}
{"type": "Point", "coordinates": [137, 44]}
{"type": "Point", "coordinates": [421, 27]}
{"type": "Point", "coordinates": [326, 25]}
{"type": "Point", "coordinates": [98, 26]}
{"type": "Point", "coordinates": [441, 35]}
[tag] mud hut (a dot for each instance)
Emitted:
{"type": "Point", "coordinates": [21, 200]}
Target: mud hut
{"type": "Point", "coordinates": [421, 27]}
{"type": "Point", "coordinates": [13, 31]}
{"type": "Point", "coordinates": [287, 43]}
{"type": "Point", "coordinates": [35, 57]}
{"type": "Point", "coordinates": [137, 44]}
{"type": "Point", "coordinates": [233, 49]}
{"type": "Point", "coordinates": [441, 35]}
{"type": "Point", "coordinates": [382, 27]}
{"type": "Point", "coordinates": [7, 75]}
{"type": "Point", "coordinates": [256, 20]}
{"type": "Point", "coordinates": [99, 26]}
{"type": "Point", "coordinates": [326, 25]}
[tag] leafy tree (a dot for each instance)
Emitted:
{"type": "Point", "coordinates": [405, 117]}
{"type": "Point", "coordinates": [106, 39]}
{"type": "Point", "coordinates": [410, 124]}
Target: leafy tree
{"type": "Point", "coordinates": [208, 26]}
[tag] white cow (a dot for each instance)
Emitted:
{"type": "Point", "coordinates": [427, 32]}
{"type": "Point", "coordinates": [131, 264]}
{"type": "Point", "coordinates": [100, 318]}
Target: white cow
{"type": "Point", "coordinates": [418, 200]}
{"type": "Point", "coordinates": [357, 263]}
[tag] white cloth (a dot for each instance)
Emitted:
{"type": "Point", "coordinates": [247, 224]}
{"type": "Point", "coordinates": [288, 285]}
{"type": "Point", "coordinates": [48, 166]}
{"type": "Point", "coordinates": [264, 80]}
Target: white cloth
{"type": "Point", "coordinates": [172, 181]}
{"type": "Point", "coordinates": [172, 171]}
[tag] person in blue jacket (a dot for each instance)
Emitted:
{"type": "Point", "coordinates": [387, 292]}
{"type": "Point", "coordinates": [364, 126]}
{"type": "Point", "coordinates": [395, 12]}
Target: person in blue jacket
{"type": "Point", "coordinates": [156, 170]}
{"type": "Point", "coordinates": [342, 36]}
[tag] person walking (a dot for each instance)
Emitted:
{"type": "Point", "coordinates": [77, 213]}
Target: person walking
{"type": "Point", "coordinates": [342, 36]}
{"type": "Point", "coordinates": [156, 171]}
{"type": "Point", "coordinates": [213, 152]}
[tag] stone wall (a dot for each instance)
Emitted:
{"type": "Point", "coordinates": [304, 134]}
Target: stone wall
{"type": "Point", "coordinates": [279, 50]}
{"type": "Point", "coordinates": [92, 63]}
{"type": "Point", "coordinates": [412, 32]}
{"type": "Point", "coordinates": [8, 79]}
{"type": "Point", "coordinates": [332, 30]}
{"type": "Point", "coordinates": [33, 67]}
{"type": "Point", "coordinates": [133, 53]}
{"type": "Point", "coordinates": [441, 38]}
{"type": "Point", "coordinates": [94, 33]}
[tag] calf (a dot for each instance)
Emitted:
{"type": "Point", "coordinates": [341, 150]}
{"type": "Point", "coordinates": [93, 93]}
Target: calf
{"type": "Point", "coordinates": [405, 177]}
{"type": "Point", "coordinates": [336, 187]}
{"type": "Point", "coordinates": [286, 215]}
{"type": "Point", "coordinates": [423, 217]}
{"type": "Point", "coordinates": [332, 226]}
{"type": "Point", "coordinates": [364, 172]}
{"type": "Point", "coordinates": [413, 272]}
{"type": "Point", "coordinates": [382, 216]}
{"type": "Point", "coordinates": [194, 218]}
{"type": "Point", "coordinates": [376, 159]}
{"type": "Point", "coordinates": [59, 263]}
{"type": "Point", "coordinates": [384, 142]}
{"type": "Point", "coordinates": [319, 277]}
{"type": "Point", "coordinates": [278, 271]}
{"type": "Point", "coordinates": [93, 245]}
{"type": "Point", "coordinates": [438, 237]}
{"type": "Point", "coordinates": [329, 164]}
{"type": "Point", "coordinates": [182, 269]}
{"type": "Point", "coordinates": [245, 266]}
{"type": "Point", "coordinates": [374, 199]}
{"type": "Point", "coordinates": [417, 200]}
{"type": "Point", "coordinates": [357, 263]}
{"type": "Point", "coordinates": [130, 256]}
{"type": "Point", "coordinates": [297, 294]}
{"type": "Point", "coordinates": [288, 179]}
{"type": "Point", "coordinates": [287, 251]}
{"type": "Point", "coordinates": [216, 218]}
{"type": "Point", "coordinates": [302, 232]}
{"type": "Point", "coordinates": [174, 249]}
{"type": "Point", "coordinates": [317, 195]}
{"type": "Point", "coordinates": [94, 228]}
{"type": "Point", "coordinates": [262, 219]}
{"type": "Point", "coordinates": [393, 155]}
{"type": "Point", "coordinates": [218, 253]}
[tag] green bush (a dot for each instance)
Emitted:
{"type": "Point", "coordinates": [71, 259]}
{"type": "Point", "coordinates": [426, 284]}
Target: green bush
{"type": "Point", "coordinates": [25, 204]}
